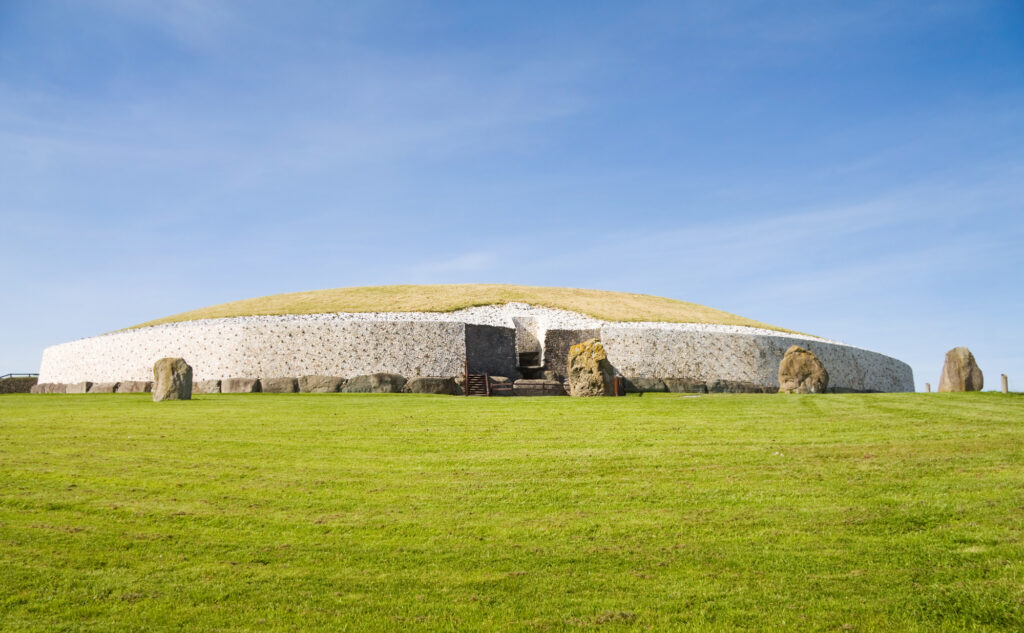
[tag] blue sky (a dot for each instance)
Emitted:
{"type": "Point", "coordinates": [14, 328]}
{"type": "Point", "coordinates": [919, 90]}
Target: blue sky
{"type": "Point", "coordinates": [852, 170]}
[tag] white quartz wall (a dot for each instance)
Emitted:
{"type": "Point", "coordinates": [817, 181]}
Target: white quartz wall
{"type": "Point", "coordinates": [434, 344]}
{"type": "Point", "coordinates": [672, 351]}
{"type": "Point", "coordinates": [265, 347]}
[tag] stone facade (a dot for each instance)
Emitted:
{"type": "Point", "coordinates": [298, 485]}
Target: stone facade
{"type": "Point", "coordinates": [667, 351]}
{"type": "Point", "coordinates": [427, 344]}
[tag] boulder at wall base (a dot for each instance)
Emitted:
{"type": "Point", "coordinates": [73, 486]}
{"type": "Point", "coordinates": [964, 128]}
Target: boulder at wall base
{"type": "Point", "coordinates": [206, 386]}
{"type": "Point", "coordinates": [685, 385]}
{"type": "Point", "coordinates": [320, 384]}
{"type": "Point", "coordinates": [78, 387]}
{"type": "Point", "coordinates": [639, 384]}
{"type": "Point", "coordinates": [590, 373]}
{"type": "Point", "coordinates": [278, 385]}
{"type": "Point", "coordinates": [960, 372]}
{"type": "Point", "coordinates": [135, 386]}
{"type": "Point", "coordinates": [801, 372]}
{"type": "Point", "coordinates": [49, 387]}
{"type": "Point", "coordinates": [738, 386]}
{"type": "Point", "coordinates": [104, 387]}
{"type": "Point", "coordinates": [375, 383]}
{"type": "Point", "coordinates": [240, 385]}
{"type": "Point", "coordinates": [538, 387]}
{"type": "Point", "coordinates": [432, 384]}
{"type": "Point", "coordinates": [172, 380]}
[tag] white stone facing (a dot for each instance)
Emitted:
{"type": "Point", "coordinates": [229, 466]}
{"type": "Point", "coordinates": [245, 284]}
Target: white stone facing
{"type": "Point", "coordinates": [265, 347]}
{"type": "Point", "coordinates": [663, 351]}
{"type": "Point", "coordinates": [434, 344]}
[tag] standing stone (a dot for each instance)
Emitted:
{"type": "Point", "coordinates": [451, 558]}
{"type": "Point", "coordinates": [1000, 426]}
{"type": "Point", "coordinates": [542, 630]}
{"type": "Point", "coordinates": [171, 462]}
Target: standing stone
{"type": "Point", "coordinates": [590, 373]}
{"type": "Point", "coordinates": [960, 372]}
{"type": "Point", "coordinates": [801, 372]}
{"type": "Point", "coordinates": [1006, 384]}
{"type": "Point", "coordinates": [172, 380]}
{"type": "Point", "coordinates": [320, 384]}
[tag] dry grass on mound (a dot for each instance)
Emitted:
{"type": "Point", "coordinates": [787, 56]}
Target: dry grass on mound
{"type": "Point", "coordinates": [609, 306]}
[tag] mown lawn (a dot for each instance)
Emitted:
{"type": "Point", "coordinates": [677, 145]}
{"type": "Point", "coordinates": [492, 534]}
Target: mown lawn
{"type": "Point", "coordinates": [895, 512]}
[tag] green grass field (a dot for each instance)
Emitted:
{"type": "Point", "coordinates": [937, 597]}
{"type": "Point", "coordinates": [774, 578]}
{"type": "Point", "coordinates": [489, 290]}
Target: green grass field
{"type": "Point", "coordinates": [887, 512]}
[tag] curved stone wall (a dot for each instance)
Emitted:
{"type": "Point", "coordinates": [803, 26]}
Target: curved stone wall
{"type": "Point", "coordinates": [264, 348]}
{"type": "Point", "coordinates": [668, 350]}
{"type": "Point", "coordinates": [440, 344]}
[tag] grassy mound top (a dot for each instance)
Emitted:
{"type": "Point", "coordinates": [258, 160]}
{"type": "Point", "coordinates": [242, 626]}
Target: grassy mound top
{"type": "Point", "coordinates": [601, 304]}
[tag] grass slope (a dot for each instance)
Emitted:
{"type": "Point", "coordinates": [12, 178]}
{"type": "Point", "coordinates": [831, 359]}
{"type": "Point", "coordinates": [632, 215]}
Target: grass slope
{"type": "Point", "coordinates": [379, 513]}
{"type": "Point", "coordinates": [610, 306]}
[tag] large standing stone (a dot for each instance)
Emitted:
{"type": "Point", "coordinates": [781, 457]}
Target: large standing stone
{"type": "Point", "coordinates": [960, 372]}
{"type": "Point", "coordinates": [172, 380]}
{"type": "Point", "coordinates": [239, 385]}
{"type": "Point", "coordinates": [375, 383]}
{"type": "Point", "coordinates": [590, 373]}
{"type": "Point", "coordinates": [801, 372]}
{"type": "Point", "coordinates": [278, 385]}
{"type": "Point", "coordinates": [320, 384]}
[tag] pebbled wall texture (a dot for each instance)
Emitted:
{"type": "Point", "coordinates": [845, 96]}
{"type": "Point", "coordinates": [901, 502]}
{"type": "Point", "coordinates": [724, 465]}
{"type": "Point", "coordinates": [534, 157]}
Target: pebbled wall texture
{"type": "Point", "coordinates": [667, 351]}
{"type": "Point", "coordinates": [415, 345]}
{"type": "Point", "coordinates": [240, 348]}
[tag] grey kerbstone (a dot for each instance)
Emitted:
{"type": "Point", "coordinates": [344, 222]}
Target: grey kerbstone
{"type": "Point", "coordinates": [278, 385]}
{"type": "Point", "coordinates": [134, 386]}
{"type": "Point", "coordinates": [639, 384]}
{"type": "Point", "coordinates": [104, 387]}
{"type": "Point", "coordinates": [239, 385]}
{"type": "Point", "coordinates": [375, 383]}
{"type": "Point", "coordinates": [206, 386]}
{"type": "Point", "coordinates": [78, 387]}
{"type": "Point", "coordinates": [739, 386]}
{"type": "Point", "coordinates": [172, 380]}
{"type": "Point", "coordinates": [590, 373]}
{"type": "Point", "coordinates": [320, 384]}
{"type": "Point", "coordinates": [960, 372]}
{"type": "Point", "coordinates": [49, 388]}
{"type": "Point", "coordinates": [432, 384]}
{"type": "Point", "coordinates": [550, 374]}
{"type": "Point", "coordinates": [801, 372]}
{"type": "Point", "coordinates": [685, 385]}
{"type": "Point", "coordinates": [538, 387]}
